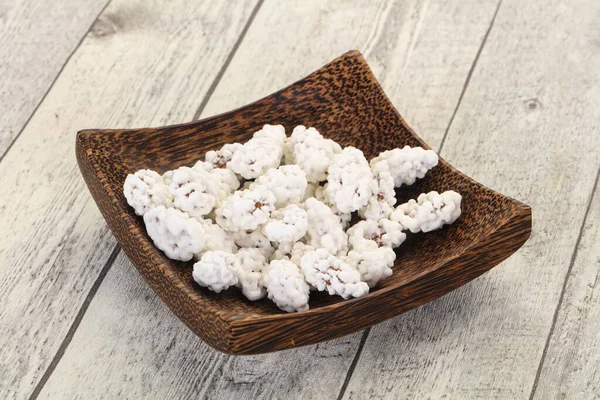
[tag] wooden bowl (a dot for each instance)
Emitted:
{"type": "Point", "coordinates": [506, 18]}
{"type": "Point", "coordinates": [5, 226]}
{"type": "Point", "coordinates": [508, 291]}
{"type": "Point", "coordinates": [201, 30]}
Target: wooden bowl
{"type": "Point", "coordinates": [344, 101]}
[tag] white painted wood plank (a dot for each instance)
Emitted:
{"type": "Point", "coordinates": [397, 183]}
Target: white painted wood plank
{"type": "Point", "coordinates": [571, 368]}
{"type": "Point", "coordinates": [527, 127]}
{"type": "Point", "coordinates": [400, 38]}
{"type": "Point", "coordinates": [145, 63]}
{"type": "Point", "coordinates": [36, 39]}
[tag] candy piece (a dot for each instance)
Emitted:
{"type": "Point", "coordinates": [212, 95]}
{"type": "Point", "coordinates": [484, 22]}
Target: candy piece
{"type": "Point", "coordinates": [373, 265]}
{"type": "Point", "coordinates": [381, 202]}
{"type": "Point", "coordinates": [286, 286]}
{"type": "Point", "coordinates": [349, 180]}
{"type": "Point", "coordinates": [174, 232]}
{"type": "Point", "coordinates": [324, 228]}
{"type": "Point", "coordinates": [288, 184]}
{"type": "Point", "coordinates": [216, 270]}
{"type": "Point", "coordinates": [145, 190]}
{"type": "Point", "coordinates": [328, 273]}
{"type": "Point", "coordinates": [245, 210]}
{"type": "Point", "coordinates": [311, 152]}
{"type": "Point", "coordinates": [250, 264]}
{"type": "Point", "coordinates": [370, 234]}
{"type": "Point", "coordinates": [287, 224]}
{"type": "Point", "coordinates": [429, 212]}
{"type": "Point", "coordinates": [407, 164]}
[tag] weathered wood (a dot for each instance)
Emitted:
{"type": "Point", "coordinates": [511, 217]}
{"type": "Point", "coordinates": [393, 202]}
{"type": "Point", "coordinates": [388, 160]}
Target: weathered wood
{"type": "Point", "coordinates": [316, 371]}
{"type": "Point", "coordinates": [144, 63]}
{"type": "Point", "coordinates": [491, 227]}
{"type": "Point", "coordinates": [527, 126]}
{"type": "Point", "coordinates": [36, 39]}
{"type": "Point", "coordinates": [571, 368]}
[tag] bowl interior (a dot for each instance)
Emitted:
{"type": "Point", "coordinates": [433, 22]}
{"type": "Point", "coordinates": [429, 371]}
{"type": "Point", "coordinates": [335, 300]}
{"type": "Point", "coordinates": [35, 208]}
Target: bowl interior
{"type": "Point", "coordinates": [348, 107]}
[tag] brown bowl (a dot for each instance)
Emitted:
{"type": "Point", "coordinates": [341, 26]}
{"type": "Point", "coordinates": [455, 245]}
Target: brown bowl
{"type": "Point", "coordinates": [344, 101]}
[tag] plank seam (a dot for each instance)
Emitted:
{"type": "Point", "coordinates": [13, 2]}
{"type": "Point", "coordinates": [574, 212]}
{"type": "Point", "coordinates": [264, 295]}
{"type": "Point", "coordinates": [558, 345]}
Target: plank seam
{"type": "Point", "coordinates": [564, 289]}
{"type": "Point", "coordinates": [464, 89]}
{"type": "Point", "coordinates": [75, 325]}
{"type": "Point", "coordinates": [469, 74]}
{"type": "Point", "coordinates": [60, 71]}
{"type": "Point", "coordinates": [237, 44]}
{"type": "Point", "coordinates": [350, 372]}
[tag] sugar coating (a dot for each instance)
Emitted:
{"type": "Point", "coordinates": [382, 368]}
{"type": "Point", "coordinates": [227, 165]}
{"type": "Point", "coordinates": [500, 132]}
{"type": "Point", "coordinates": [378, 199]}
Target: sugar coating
{"type": "Point", "coordinates": [311, 152]}
{"type": "Point", "coordinates": [250, 264]}
{"type": "Point", "coordinates": [349, 180]}
{"type": "Point", "coordinates": [288, 184]}
{"type": "Point", "coordinates": [254, 239]}
{"type": "Point", "coordinates": [291, 251]}
{"type": "Point", "coordinates": [220, 158]}
{"type": "Point", "coordinates": [373, 265]}
{"type": "Point", "coordinates": [370, 234]}
{"type": "Point", "coordinates": [174, 232]}
{"type": "Point", "coordinates": [429, 212]}
{"type": "Point", "coordinates": [383, 198]}
{"type": "Point", "coordinates": [259, 154]}
{"type": "Point", "coordinates": [246, 209]}
{"type": "Point", "coordinates": [216, 270]}
{"type": "Point", "coordinates": [215, 238]}
{"type": "Point", "coordinates": [321, 194]}
{"type": "Point", "coordinates": [324, 228]}
{"type": "Point", "coordinates": [287, 224]}
{"type": "Point", "coordinates": [195, 191]}
{"type": "Point", "coordinates": [227, 180]}
{"type": "Point", "coordinates": [273, 133]}
{"type": "Point", "coordinates": [286, 286]}
{"type": "Point", "coordinates": [407, 164]}
{"type": "Point", "coordinates": [326, 272]}
{"type": "Point", "coordinates": [145, 190]}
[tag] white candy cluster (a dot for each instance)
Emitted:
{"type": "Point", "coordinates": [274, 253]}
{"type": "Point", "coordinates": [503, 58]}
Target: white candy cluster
{"type": "Point", "coordinates": [276, 216]}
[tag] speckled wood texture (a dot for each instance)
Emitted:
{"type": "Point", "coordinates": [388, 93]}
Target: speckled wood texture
{"type": "Point", "coordinates": [344, 101]}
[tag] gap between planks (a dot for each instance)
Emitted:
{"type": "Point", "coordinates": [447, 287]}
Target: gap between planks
{"type": "Point", "coordinates": [462, 93]}
{"type": "Point", "coordinates": [564, 288]}
{"type": "Point", "coordinates": [116, 250]}
{"type": "Point", "coordinates": [53, 82]}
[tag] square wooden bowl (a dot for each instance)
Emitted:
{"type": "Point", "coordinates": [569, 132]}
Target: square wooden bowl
{"type": "Point", "coordinates": [344, 101]}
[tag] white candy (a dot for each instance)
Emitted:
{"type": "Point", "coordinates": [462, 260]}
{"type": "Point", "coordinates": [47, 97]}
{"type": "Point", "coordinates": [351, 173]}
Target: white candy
{"type": "Point", "coordinates": [174, 232]}
{"type": "Point", "coordinates": [254, 239]}
{"type": "Point", "coordinates": [407, 164]}
{"type": "Point", "coordinates": [328, 273]}
{"type": "Point", "coordinates": [145, 190]}
{"type": "Point", "coordinates": [429, 212]}
{"type": "Point", "coordinates": [227, 179]}
{"type": "Point", "coordinates": [349, 180]}
{"type": "Point", "coordinates": [373, 265]}
{"type": "Point", "coordinates": [216, 270]}
{"type": "Point", "coordinates": [288, 184]}
{"type": "Point", "coordinates": [321, 194]}
{"type": "Point", "coordinates": [381, 202]}
{"type": "Point", "coordinates": [215, 238]}
{"type": "Point", "coordinates": [245, 210]}
{"type": "Point", "coordinates": [195, 191]}
{"type": "Point", "coordinates": [286, 286]}
{"type": "Point", "coordinates": [370, 234]}
{"type": "Point", "coordinates": [250, 264]}
{"type": "Point", "coordinates": [220, 158]}
{"type": "Point", "coordinates": [259, 154]}
{"type": "Point", "coordinates": [311, 152]}
{"type": "Point", "coordinates": [324, 228]}
{"type": "Point", "coordinates": [287, 224]}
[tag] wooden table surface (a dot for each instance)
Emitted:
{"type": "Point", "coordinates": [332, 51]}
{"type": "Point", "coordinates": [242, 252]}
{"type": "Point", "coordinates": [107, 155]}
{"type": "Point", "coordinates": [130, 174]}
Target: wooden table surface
{"type": "Point", "coordinates": [508, 91]}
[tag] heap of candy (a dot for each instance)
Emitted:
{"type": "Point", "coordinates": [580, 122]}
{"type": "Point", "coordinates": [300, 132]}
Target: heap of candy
{"type": "Point", "coordinates": [271, 216]}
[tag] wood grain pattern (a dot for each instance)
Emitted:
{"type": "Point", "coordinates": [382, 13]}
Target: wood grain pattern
{"type": "Point", "coordinates": [527, 126]}
{"type": "Point", "coordinates": [158, 357]}
{"type": "Point", "coordinates": [424, 79]}
{"type": "Point", "coordinates": [571, 367]}
{"type": "Point", "coordinates": [143, 60]}
{"type": "Point", "coordinates": [37, 38]}
{"type": "Point", "coordinates": [347, 103]}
